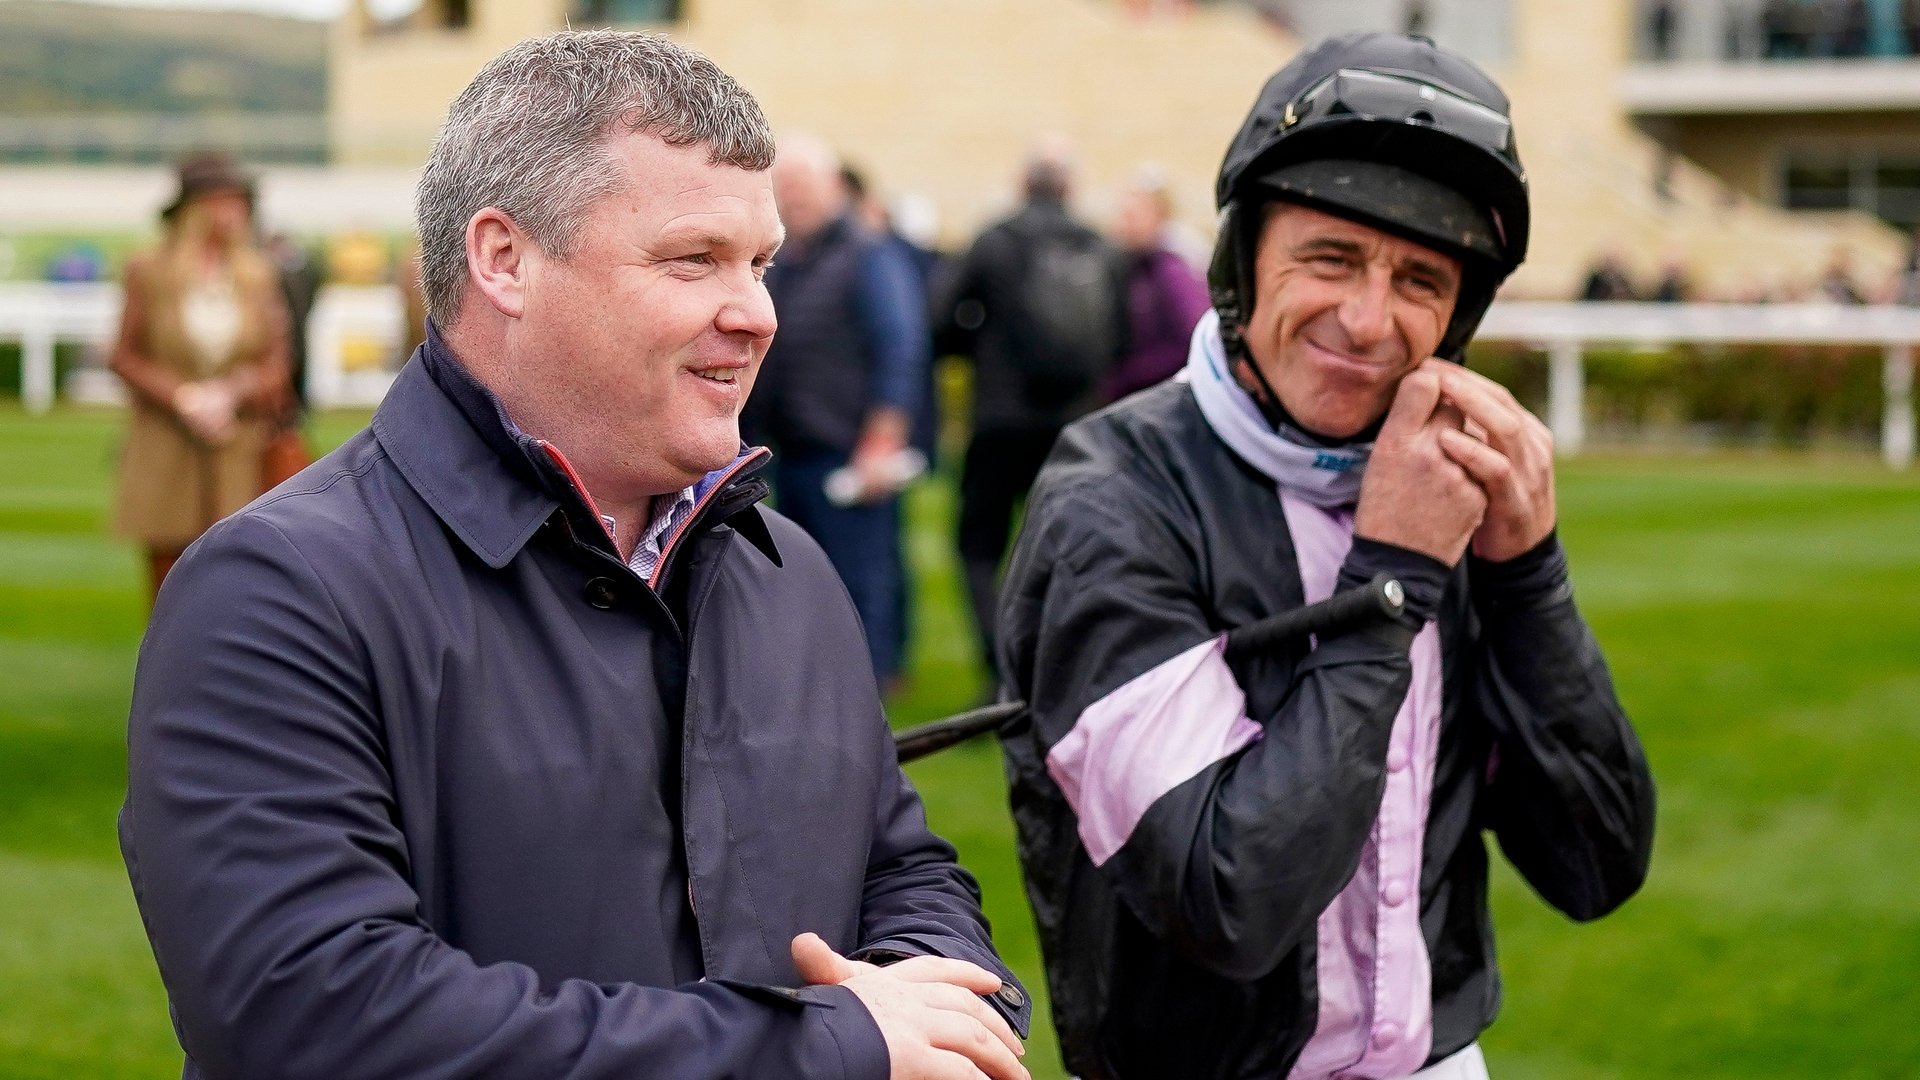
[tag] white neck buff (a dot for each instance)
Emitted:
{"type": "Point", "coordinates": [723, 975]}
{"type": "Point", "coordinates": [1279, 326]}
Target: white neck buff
{"type": "Point", "coordinates": [1326, 476]}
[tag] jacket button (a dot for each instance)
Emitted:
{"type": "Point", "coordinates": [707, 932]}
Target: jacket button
{"type": "Point", "coordinates": [602, 593]}
{"type": "Point", "coordinates": [1010, 996]}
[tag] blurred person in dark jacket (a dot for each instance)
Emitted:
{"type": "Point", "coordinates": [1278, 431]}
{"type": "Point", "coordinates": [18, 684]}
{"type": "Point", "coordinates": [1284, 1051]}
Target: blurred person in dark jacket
{"type": "Point", "coordinates": [843, 384]}
{"type": "Point", "coordinates": [1038, 306]}
{"type": "Point", "coordinates": [1271, 863]}
{"type": "Point", "coordinates": [1165, 295]}
{"type": "Point", "coordinates": [299, 287]}
{"type": "Point", "coordinates": [1607, 280]}
{"type": "Point", "coordinates": [908, 224]}
{"type": "Point", "coordinates": [1676, 281]}
{"type": "Point", "coordinates": [203, 346]}
{"type": "Point", "coordinates": [515, 738]}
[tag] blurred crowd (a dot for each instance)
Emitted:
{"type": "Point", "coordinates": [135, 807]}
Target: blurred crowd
{"type": "Point", "coordinates": [1051, 315]}
{"type": "Point", "coordinates": [1840, 281]}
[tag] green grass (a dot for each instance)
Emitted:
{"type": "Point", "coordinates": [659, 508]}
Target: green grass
{"type": "Point", "coordinates": [1759, 612]}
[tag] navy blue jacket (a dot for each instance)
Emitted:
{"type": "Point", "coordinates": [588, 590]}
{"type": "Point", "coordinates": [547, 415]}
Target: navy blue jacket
{"type": "Point", "coordinates": [424, 782]}
{"type": "Point", "coordinates": [853, 338]}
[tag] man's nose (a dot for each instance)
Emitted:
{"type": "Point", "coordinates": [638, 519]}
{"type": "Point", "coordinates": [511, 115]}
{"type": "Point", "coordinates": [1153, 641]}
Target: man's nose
{"type": "Point", "coordinates": [1367, 312]}
{"type": "Point", "coordinates": [749, 310]}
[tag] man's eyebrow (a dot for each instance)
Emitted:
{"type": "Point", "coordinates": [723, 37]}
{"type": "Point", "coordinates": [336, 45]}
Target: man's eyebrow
{"type": "Point", "coordinates": [696, 236]}
{"type": "Point", "coordinates": [1329, 243]}
{"type": "Point", "coordinates": [1430, 267]}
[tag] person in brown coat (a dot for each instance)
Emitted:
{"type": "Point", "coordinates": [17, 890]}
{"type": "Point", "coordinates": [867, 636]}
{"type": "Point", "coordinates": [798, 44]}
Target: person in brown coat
{"type": "Point", "coordinates": [203, 348]}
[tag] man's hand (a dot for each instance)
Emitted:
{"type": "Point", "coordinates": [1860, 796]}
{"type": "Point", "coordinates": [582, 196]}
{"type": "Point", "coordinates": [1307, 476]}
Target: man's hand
{"type": "Point", "coordinates": [1513, 465]}
{"type": "Point", "coordinates": [928, 1010]}
{"type": "Point", "coordinates": [1416, 495]}
{"type": "Point", "coordinates": [884, 435]}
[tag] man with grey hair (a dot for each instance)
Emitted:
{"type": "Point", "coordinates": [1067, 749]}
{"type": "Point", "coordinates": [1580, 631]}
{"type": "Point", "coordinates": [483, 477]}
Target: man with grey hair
{"type": "Point", "coordinates": [487, 745]}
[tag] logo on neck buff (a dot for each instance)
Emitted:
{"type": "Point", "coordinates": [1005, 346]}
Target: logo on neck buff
{"type": "Point", "coordinates": [1326, 476]}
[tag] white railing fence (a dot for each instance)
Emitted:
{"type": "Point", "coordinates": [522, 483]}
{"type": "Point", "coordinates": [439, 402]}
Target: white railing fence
{"type": "Point", "coordinates": [353, 341]}
{"type": "Point", "coordinates": [1565, 330]}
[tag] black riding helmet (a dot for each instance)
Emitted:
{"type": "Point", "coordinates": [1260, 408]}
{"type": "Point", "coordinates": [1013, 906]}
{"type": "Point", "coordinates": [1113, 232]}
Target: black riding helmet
{"type": "Point", "coordinates": [1391, 131]}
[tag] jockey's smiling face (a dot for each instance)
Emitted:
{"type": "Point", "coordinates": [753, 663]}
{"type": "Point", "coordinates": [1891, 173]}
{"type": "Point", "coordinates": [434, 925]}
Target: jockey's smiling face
{"type": "Point", "coordinates": [1342, 311]}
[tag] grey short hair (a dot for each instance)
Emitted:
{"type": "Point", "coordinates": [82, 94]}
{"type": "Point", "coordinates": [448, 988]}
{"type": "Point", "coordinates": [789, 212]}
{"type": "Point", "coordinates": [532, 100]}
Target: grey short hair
{"type": "Point", "coordinates": [529, 136]}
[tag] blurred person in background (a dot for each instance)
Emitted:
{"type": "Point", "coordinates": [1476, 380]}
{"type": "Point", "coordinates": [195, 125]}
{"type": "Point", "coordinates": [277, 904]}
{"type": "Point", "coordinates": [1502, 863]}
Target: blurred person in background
{"type": "Point", "coordinates": [1272, 862]}
{"type": "Point", "coordinates": [1661, 17]}
{"type": "Point", "coordinates": [286, 450]}
{"type": "Point", "coordinates": [1676, 281]}
{"type": "Point", "coordinates": [517, 738]}
{"type": "Point", "coordinates": [1165, 295]}
{"type": "Point", "coordinates": [1845, 28]}
{"type": "Point", "coordinates": [910, 225]}
{"type": "Point", "coordinates": [884, 218]}
{"type": "Point", "coordinates": [1791, 28]}
{"type": "Point", "coordinates": [842, 385]}
{"type": "Point", "coordinates": [1038, 305]}
{"type": "Point", "coordinates": [1905, 286]}
{"type": "Point", "coordinates": [77, 262]}
{"type": "Point", "coordinates": [1607, 279]}
{"type": "Point", "coordinates": [299, 286]}
{"type": "Point", "coordinates": [1836, 284]}
{"type": "Point", "coordinates": [203, 346]}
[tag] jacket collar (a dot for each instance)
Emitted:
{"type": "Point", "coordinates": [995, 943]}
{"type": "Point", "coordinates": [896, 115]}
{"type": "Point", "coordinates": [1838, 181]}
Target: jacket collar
{"type": "Point", "coordinates": [493, 484]}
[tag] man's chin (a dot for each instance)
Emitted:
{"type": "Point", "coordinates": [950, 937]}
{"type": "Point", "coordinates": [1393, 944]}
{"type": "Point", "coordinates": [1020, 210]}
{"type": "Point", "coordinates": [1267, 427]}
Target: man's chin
{"type": "Point", "coordinates": [1336, 426]}
{"type": "Point", "coordinates": [714, 453]}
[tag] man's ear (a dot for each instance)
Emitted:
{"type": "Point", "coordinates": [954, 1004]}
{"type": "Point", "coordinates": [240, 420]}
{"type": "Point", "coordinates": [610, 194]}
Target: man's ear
{"type": "Point", "coordinates": [498, 260]}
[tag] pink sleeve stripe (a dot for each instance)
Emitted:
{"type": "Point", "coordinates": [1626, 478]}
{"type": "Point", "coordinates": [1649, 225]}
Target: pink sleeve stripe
{"type": "Point", "coordinates": [1146, 738]}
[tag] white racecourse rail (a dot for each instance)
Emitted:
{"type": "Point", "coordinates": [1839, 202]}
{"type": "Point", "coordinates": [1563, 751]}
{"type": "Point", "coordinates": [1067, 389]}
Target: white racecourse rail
{"type": "Point", "coordinates": [39, 314]}
{"type": "Point", "coordinates": [1564, 330]}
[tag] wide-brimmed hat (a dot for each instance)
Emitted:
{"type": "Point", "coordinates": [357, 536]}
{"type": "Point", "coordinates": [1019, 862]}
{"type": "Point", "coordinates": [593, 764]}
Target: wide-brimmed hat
{"type": "Point", "coordinates": [205, 172]}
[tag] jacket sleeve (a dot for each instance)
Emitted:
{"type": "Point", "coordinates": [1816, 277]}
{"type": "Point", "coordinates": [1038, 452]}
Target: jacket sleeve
{"type": "Point", "coordinates": [892, 310]}
{"type": "Point", "coordinates": [918, 901]}
{"type": "Point", "coordinates": [1569, 793]}
{"type": "Point", "coordinates": [271, 875]}
{"type": "Point", "coordinates": [1232, 866]}
{"type": "Point", "coordinates": [132, 356]}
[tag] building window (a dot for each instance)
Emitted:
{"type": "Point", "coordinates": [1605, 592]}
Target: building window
{"type": "Point", "coordinates": [1884, 184]}
{"type": "Point", "coordinates": [603, 12]}
{"type": "Point", "coordinates": [399, 16]}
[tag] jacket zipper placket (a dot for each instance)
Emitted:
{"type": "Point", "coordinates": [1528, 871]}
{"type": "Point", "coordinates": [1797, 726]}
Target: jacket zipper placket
{"type": "Point", "coordinates": [721, 495]}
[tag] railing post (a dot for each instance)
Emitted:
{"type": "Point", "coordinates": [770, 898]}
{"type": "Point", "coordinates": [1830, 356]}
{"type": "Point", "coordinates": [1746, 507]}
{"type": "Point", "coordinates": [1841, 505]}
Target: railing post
{"type": "Point", "coordinates": [36, 366]}
{"type": "Point", "coordinates": [1896, 429]}
{"type": "Point", "coordinates": [1566, 395]}
{"type": "Point", "coordinates": [324, 343]}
